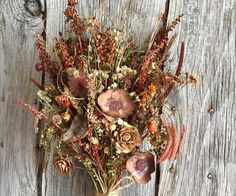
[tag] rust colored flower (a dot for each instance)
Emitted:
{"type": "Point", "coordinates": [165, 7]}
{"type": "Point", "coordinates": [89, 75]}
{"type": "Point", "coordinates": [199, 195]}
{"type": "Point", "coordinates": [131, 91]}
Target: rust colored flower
{"type": "Point", "coordinates": [106, 48]}
{"type": "Point", "coordinates": [141, 166]}
{"type": "Point", "coordinates": [127, 139]}
{"type": "Point", "coordinates": [147, 95]}
{"type": "Point", "coordinates": [63, 164]}
{"type": "Point", "coordinates": [116, 103]}
{"type": "Point", "coordinates": [151, 126]}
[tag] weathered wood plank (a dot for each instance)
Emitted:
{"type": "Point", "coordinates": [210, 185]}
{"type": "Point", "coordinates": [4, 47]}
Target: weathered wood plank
{"type": "Point", "coordinates": [19, 20]}
{"type": "Point", "coordinates": [78, 183]}
{"type": "Point", "coordinates": [208, 29]}
{"type": "Point", "coordinates": [139, 19]}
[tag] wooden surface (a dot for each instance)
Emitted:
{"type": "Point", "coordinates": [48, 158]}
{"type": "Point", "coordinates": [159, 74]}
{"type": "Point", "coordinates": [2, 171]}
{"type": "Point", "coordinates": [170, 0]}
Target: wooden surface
{"type": "Point", "coordinates": [207, 164]}
{"type": "Point", "coordinates": [208, 29]}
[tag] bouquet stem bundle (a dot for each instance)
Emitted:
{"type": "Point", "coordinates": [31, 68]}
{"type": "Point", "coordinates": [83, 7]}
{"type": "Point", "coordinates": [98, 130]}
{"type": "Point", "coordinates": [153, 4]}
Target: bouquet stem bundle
{"type": "Point", "coordinates": [104, 100]}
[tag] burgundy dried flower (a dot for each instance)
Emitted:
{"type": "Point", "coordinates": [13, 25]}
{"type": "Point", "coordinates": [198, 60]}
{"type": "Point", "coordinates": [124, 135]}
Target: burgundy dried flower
{"type": "Point", "coordinates": [39, 67]}
{"type": "Point", "coordinates": [116, 103]}
{"type": "Point", "coordinates": [141, 166]}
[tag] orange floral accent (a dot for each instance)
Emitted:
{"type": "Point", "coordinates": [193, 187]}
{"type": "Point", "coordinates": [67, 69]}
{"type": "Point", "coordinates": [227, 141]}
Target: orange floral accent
{"type": "Point", "coordinates": [151, 126]}
{"type": "Point", "coordinates": [63, 52]}
{"type": "Point", "coordinates": [106, 48]}
{"type": "Point", "coordinates": [77, 24]}
{"type": "Point", "coordinates": [147, 95]}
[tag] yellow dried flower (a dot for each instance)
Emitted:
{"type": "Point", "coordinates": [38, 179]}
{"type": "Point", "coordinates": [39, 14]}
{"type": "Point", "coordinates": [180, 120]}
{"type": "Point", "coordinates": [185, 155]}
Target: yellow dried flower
{"type": "Point", "coordinates": [152, 89]}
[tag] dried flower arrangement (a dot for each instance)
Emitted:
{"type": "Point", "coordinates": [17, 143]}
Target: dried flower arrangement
{"type": "Point", "coordinates": [104, 101]}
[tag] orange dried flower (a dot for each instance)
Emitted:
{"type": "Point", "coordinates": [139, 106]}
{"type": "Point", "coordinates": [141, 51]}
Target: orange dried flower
{"type": "Point", "coordinates": [62, 49]}
{"type": "Point", "coordinates": [47, 63]}
{"type": "Point", "coordinates": [152, 89]}
{"type": "Point", "coordinates": [63, 100]}
{"type": "Point", "coordinates": [151, 126]}
{"type": "Point", "coordinates": [106, 48]}
{"type": "Point", "coordinates": [77, 24]}
{"type": "Point", "coordinates": [147, 95]}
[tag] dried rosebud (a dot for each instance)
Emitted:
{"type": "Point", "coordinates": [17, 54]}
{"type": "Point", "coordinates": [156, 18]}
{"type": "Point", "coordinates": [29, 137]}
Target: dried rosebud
{"type": "Point", "coordinates": [141, 166]}
{"type": "Point", "coordinates": [63, 164]}
{"type": "Point", "coordinates": [127, 139]}
{"type": "Point", "coordinates": [116, 103]}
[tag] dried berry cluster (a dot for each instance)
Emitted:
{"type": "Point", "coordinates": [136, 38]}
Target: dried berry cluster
{"type": "Point", "coordinates": [104, 100]}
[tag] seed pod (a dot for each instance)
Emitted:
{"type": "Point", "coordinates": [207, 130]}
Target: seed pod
{"type": "Point", "coordinates": [141, 166]}
{"type": "Point", "coordinates": [39, 67]}
{"type": "Point", "coordinates": [116, 103]}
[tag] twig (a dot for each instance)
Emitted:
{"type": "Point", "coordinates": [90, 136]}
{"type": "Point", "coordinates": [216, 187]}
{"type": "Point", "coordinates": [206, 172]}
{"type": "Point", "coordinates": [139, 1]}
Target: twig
{"type": "Point", "coordinates": [175, 143]}
{"type": "Point", "coordinates": [37, 84]}
{"type": "Point", "coordinates": [181, 141]}
{"type": "Point", "coordinates": [181, 60]}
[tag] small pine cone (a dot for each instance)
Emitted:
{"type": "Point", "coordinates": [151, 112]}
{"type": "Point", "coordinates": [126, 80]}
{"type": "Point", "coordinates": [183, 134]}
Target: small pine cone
{"type": "Point", "coordinates": [63, 164]}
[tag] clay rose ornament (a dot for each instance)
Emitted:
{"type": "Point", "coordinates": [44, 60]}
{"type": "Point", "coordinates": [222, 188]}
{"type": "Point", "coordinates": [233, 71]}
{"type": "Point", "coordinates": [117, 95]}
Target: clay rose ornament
{"type": "Point", "coordinates": [116, 103]}
{"type": "Point", "coordinates": [141, 166]}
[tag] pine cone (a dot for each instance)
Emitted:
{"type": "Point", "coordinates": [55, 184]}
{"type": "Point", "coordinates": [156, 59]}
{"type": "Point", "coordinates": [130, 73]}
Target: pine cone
{"type": "Point", "coordinates": [63, 164]}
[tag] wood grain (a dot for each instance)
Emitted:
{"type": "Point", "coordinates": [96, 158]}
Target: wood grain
{"type": "Point", "coordinates": [207, 163]}
{"type": "Point", "coordinates": [18, 160]}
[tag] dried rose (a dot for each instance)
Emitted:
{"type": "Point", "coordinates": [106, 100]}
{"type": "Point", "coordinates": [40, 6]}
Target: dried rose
{"type": "Point", "coordinates": [127, 139]}
{"type": "Point", "coordinates": [63, 164]}
{"type": "Point", "coordinates": [141, 166]}
{"type": "Point", "coordinates": [116, 103]}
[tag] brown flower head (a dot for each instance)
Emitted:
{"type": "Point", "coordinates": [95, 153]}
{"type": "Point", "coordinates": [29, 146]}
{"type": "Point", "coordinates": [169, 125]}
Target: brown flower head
{"type": "Point", "coordinates": [116, 103]}
{"type": "Point", "coordinates": [127, 139]}
{"type": "Point", "coordinates": [141, 166]}
{"type": "Point", "coordinates": [63, 164]}
{"type": "Point", "coordinates": [77, 82]}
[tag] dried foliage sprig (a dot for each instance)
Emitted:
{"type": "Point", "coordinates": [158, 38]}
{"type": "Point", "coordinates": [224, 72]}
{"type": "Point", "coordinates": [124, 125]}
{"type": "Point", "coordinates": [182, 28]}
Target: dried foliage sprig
{"type": "Point", "coordinates": [104, 101]}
